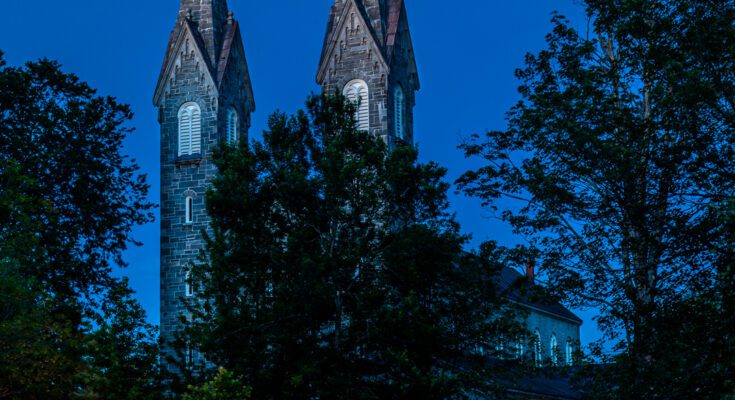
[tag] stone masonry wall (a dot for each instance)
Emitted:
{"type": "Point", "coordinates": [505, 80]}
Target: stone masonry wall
{"type": "Point", "coordinates": [361, 55]}
{"type": "Point", "coordinates": [181, 242]}
{"type": "Point", "coordinates": [357, 58]}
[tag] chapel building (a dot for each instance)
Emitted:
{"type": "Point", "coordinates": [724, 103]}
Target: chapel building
{"type": "Point", "coordinates": [204, 98]}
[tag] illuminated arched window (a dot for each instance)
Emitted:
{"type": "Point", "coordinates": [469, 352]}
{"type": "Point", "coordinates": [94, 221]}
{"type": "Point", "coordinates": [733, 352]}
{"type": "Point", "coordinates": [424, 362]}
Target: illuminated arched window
{"type": "Point", "coordinates": [537, 356]}
{"type": "Point", "coordinates": [357, 92]}
{"type": "Point", "coordinates": [554, 346]}
{"type": "Point", "coordinates": [520, 348]}
{"type": "Point", "coordinates": [190, 130]}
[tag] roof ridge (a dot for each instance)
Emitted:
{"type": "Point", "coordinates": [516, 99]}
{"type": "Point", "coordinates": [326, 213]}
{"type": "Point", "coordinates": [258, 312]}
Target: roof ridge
{"type": "Point", "coordinates": [226, 51]}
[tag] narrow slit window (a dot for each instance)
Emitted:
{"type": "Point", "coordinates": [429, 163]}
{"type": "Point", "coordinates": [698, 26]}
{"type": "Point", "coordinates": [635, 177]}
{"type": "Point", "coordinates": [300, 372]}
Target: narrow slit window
{"type": "Point", "coordinates": [189, 357]}
{"type": "Point", "coordinates": [189, 286]}
{"type": "Point", "coordinates": [189, 210]}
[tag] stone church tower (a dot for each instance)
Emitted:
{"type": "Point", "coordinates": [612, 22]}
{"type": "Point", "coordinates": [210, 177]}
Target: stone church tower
{"type": "Point", "coordinates": [204, 97]}
{"type": "Point", "coordinates": [368, 56]}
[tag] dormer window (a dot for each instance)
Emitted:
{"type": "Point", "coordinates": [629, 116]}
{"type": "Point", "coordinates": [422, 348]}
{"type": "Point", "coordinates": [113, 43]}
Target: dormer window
{"type": "Point", "coordinates": [232, 131]}
{"type": "Point", "coordinates": [190, 130]}
{"type": "Point", "coordinates": [357, 92]}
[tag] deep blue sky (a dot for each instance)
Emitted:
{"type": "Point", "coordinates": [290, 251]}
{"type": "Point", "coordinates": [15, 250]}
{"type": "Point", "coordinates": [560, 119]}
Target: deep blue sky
{"type": "Point", "coordinates": [466, 51]}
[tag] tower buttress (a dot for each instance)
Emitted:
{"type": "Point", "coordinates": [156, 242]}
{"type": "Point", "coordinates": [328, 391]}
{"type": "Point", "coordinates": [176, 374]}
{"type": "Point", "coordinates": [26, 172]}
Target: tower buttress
{"type": "Point", "coordinates": [368, 41]}
{"type": "Point", "coordinates": [204, 98]}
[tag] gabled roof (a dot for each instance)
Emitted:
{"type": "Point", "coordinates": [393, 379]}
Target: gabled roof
{"type": "Point", "coordinates": [334, 30]}
{"type": "Point", "coordinates": [232, 33]}
{"type": "Point", "coordinates": [396, 15]}
{"type": "Point", "coordinates": [187, 30]}
{"type": "Point", "coordinates": [512, 283]}
{"type": "Point", "coordinates": [216, 72]}
{"type": "Point", "coordinates": [395, 10]}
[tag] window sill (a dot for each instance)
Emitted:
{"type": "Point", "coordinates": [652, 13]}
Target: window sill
{"type": "Point", "coordinates": [189, 160]}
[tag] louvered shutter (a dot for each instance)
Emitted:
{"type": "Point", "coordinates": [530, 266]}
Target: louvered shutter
{"type": "Point", "coordinates": [184, 132]}
{"type": "Point", "coordinates": [357, 92]}
{"type": "Point", "coordinates": [231, 127]}
{"type": "Point", "coordinates": [196, 131]}
{"type": "Point", "coordinates": [363, 109]}
{"type": "Point", "coordinates": [190, 130]}
{"type": "Point", "coordinates": [351, 94]}
{"type": "Point", "coordinates": [399, 112]}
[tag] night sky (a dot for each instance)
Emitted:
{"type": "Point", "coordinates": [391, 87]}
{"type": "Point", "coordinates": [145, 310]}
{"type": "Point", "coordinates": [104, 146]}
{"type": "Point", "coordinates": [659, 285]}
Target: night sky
{"type": "Point", "coordinates": [467, 52]}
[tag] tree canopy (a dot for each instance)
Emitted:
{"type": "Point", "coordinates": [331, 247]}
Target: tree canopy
{"type": "Point", "coordinates": [620, 158]}
{"type": "Point", "coordinates": [68, 202]}
{"type": "Point", "coordinates": [335, 270]}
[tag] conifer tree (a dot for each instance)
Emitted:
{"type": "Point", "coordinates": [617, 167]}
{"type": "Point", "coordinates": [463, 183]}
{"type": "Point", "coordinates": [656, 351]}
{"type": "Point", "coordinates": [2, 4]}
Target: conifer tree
{"type": "Point", "coordinates": [335, 270]}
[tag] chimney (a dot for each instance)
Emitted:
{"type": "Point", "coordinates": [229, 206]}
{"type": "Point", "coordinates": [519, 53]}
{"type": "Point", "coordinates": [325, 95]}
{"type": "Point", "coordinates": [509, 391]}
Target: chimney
{"type": "Point", "coordinates": [531, 271]}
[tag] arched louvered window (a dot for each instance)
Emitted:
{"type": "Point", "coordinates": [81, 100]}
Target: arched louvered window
{"type": "Point", "coordinates": [554, 346]}
{"type": "Point", "coordinates": [232, 134]}
{"type": "Point", "coordinates": [399, 103]}
{"type": "Point", "coordinates": [190, 130]}
{"type": "Point", "coordinates": [357, 92]}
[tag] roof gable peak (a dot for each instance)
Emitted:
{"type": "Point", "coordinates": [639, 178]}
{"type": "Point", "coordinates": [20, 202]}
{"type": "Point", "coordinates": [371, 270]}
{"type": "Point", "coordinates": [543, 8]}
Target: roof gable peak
{"type": "Point", "coordinates": [348, 20]}
{"type": "Point", "coordinates": [187, 43]}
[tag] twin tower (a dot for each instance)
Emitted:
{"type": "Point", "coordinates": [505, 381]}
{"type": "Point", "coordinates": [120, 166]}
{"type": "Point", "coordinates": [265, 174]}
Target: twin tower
{"type": "Point", "coordinates": [204, 97]}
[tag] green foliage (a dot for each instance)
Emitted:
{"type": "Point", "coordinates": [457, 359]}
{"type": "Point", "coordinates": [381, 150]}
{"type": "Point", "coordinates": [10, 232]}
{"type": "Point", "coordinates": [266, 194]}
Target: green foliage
{"type": "Point", "coordinates": [620, 157]}
{"type": "Point", "coordinates": [334, 269]}
{"type": "Point", "coordinates": [122, 353]}
{"type": "Point", "coordinates": [68, 202]}
{"type": "Point", "coordinates": [33, 343]}
{"type": "Point", "coordinates": [224, 386]}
